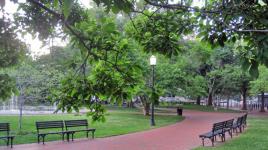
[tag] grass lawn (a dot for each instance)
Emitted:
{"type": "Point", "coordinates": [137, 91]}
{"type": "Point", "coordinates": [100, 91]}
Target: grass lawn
{"type": "Point", "coordinates": [117, 122]}
{"type": "Point", "coordinates": [197, 107]}
{"type": "Point", "coordinates": [255, 137]}
{"type": "Point", "coordinates": [206, 108]}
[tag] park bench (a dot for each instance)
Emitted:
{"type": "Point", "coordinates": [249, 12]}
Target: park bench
{"type": "Point", "coordinates": [229, 127]}
{"type": "Point", "coordinates": [73, 126]}
{"type": "Point", "coordinates": [238, 124]}
{"type": "Point", "coordinates": [217, 129]}
{"type": "Point", "coordinates": [4, 127]}
{"type": "Point", "coordinates": [55, 127]}
{"type": "Point", "coordinates": [244, 122]}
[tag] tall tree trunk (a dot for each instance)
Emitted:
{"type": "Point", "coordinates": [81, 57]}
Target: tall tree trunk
{"type": "Point", "coordinates": [146, 109]}
{"type": "Point", "coordinates": [210, 100]}
{"type": "Point", "coordinates": [198, 100]}
{"type": "Point", "coordinates": [130, 104]}
{"type": "Point", "coordinates": [228, 102]}
{"type": "Point", "coordinates": [244, 96]}
{"type": "Point", "coordinates": [262, 102]}
{"type": "Point", "coordinates": [146, 105]}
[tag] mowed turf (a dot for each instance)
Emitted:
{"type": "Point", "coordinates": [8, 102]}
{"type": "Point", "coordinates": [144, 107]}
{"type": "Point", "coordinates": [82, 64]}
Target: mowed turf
{"type": "Point", "coordinates": [117, 122]}
{"type": "Point", "coordinates": [197, 107]}
{"type": "Point", "coordinates": [254, 138]}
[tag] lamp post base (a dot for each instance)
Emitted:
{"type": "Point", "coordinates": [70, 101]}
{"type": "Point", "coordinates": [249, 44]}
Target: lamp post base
{"type": "Point", "coordinates": [152, 116]}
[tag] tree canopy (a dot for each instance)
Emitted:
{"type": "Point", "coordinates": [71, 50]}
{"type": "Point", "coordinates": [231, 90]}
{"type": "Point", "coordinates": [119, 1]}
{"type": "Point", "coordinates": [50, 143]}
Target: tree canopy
{"type": "Point", "coordinates": [202, 47]}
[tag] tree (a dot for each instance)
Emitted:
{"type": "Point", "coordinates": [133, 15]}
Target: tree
{"type": "Point", "coordinates": [260, 85]}
{"type": "Point", "coordinates": [236, 81]}
{"type": "Point", "coordinates": [113, 79]}
{"type": "Point", "coordinates": [163, 25]}
{"type": "Point", "coordinates": [196, 87]}
{"type": "Point", "coordinates": [12, 49]}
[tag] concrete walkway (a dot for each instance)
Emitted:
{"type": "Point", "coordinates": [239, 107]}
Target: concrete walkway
{"type": "Point", "coordinates": [180, 136]}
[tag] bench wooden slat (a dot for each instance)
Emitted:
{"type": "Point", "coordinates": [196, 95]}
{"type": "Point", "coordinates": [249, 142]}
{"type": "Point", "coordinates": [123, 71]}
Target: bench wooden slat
{"type": "Point", "coordinates": [42, 125]}
{"type": "Point", "coordinates": [5, 127]}
{"type": "Point", "coordinates": [49, 124]}
{"type": "Point", "coordinates": [75, 123]}
{"type": "Point", "coordinates": [70, 124]}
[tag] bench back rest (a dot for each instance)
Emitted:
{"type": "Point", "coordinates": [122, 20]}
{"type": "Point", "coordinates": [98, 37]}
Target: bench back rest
{"type": "Point", "coordinates": [75, 123]}
{"type": "Point", "coordinates": [218, 126]}
{"type": "Point", "coordinates": [239, 120]}
{"type": "Point", "coordinates": [245, 119]}
{"type": "Point", "coordinates": [229, 123]}
{"type": "Point", "coordinates": [49, 125]}
{"type": "Point", "coordinates": [4, 127]}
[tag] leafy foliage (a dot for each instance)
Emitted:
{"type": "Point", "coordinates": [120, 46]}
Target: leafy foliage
{"type": "Point", "coordinates": [8, 86]}
{"type": "Point", "coordinates": [12, 49]}
{"type": "Point", "coordinates": [260, 84]}
{"type": "Point", "coordinates": [112, 79]}
{"type": "Point", "coordinates": [161, 32]}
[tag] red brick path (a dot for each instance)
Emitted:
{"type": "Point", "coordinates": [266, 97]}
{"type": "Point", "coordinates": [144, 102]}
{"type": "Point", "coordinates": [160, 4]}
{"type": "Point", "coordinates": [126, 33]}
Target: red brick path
{"type": "Point", "coordinates": [180, 136]}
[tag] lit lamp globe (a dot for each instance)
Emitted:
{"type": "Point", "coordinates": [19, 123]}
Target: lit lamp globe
{"type": "Point", "coordinates": [152, 60]}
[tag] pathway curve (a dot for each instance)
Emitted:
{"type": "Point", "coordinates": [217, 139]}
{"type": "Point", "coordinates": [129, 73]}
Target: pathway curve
{"type": "Point", "coordinates": [179, 136]}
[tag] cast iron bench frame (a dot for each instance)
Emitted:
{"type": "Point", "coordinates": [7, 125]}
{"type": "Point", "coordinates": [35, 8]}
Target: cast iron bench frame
{"type": "Point", "coordinates": [5, 127]}
{"type": "Point", "coordinates": [217, 129]}
{"type": "Point", "coordinates": [42, 125]}
{"type": "Point", "coordinates": [78, 123]}
{"type": "Point", "coordinates": [229, 127]}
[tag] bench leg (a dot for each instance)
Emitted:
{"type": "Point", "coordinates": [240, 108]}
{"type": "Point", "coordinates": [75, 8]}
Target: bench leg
{"type": "Point", "coordinates": [68, 137]}
{"type": "Point", "coordinates": [62, 137]}
{"type": "Point", "coordinates": [235, 130]}
{"type": "Point", "coordinates": [38, 139]}
{"type": "Point", "coordinates": [93, 134]}
{"type": "Point", "coordinates": [43, 139]}
{"type": "Point", "coordinates": [8, 141]}
{"type": "Point", "coordinates": [231, 133]}
{"type": "Point", "coordinates": [203, 143]}
{"type": "Point", "coordinates": [72, 136]}
{"type": "Point", "coordinates": [87, 134]}
{"type": "Point", "coordinates": [212, 141]}
{"type": "Point", "coordinates": [11, 142]}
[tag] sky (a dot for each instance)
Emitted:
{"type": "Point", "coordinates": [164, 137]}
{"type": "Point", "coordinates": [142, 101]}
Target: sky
{"type": "Point", "coordinates": [36, 47]}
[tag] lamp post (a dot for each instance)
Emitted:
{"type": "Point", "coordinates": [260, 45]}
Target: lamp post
{"type": "Point", "coordinates": [152, 63]}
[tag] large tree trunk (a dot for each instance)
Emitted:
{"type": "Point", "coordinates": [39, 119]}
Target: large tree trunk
{"type": "Point", "coordinates": [146, 105]}
{"type": "Point", "coordinates": [228, 102]}
{"type": "Point", "coordinates": [244, 100]}
{"type": "Point", "coordinates": [262, 102]}
{"type": "Point", "coordinates": [146, 109]}
{"type": "Point", "coordinates": [244, 96]}
{"type": "Point", "coordinates": [130, 104]}
{"type": "Point", "coordinates": [198, 100]}
{"type": "Point", "coordinates": [210, 100]}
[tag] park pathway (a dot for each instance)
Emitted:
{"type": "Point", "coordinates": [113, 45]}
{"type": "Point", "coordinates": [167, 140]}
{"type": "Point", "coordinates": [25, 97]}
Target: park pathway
{"type": "Point", "coordinates": [179, 136]}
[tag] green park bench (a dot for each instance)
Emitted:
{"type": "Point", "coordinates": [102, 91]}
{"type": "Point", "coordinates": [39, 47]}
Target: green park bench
{"type": "Point", "coordinates": [4, 127]}
{"type": "Point", "coordinates": [73, 126]}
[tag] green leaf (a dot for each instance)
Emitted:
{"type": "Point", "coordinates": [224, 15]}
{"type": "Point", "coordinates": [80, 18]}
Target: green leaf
{"type": "Point", "coordinates": [67, 6]}
{"type": "Point", "coordinates": [245, 64]}
{"type": "Point", "coordinates": [253, 70]}
{"type": "Point", "coordinates": [56, 3]}
{"type": "Point", "coordinates": [74, 91]}
{"type": "Point", "coordinates": [110, 27]}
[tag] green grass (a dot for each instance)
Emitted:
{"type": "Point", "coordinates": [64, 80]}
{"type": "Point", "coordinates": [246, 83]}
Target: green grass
{"type": "Point", "coordinates": [197, 107]}
{"type": "Point", "coordinates": [206, 108]}
{"type": "Point", "coordinates": [254, 138]}
{"type": "Point", "coordinates": [117, 122]}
